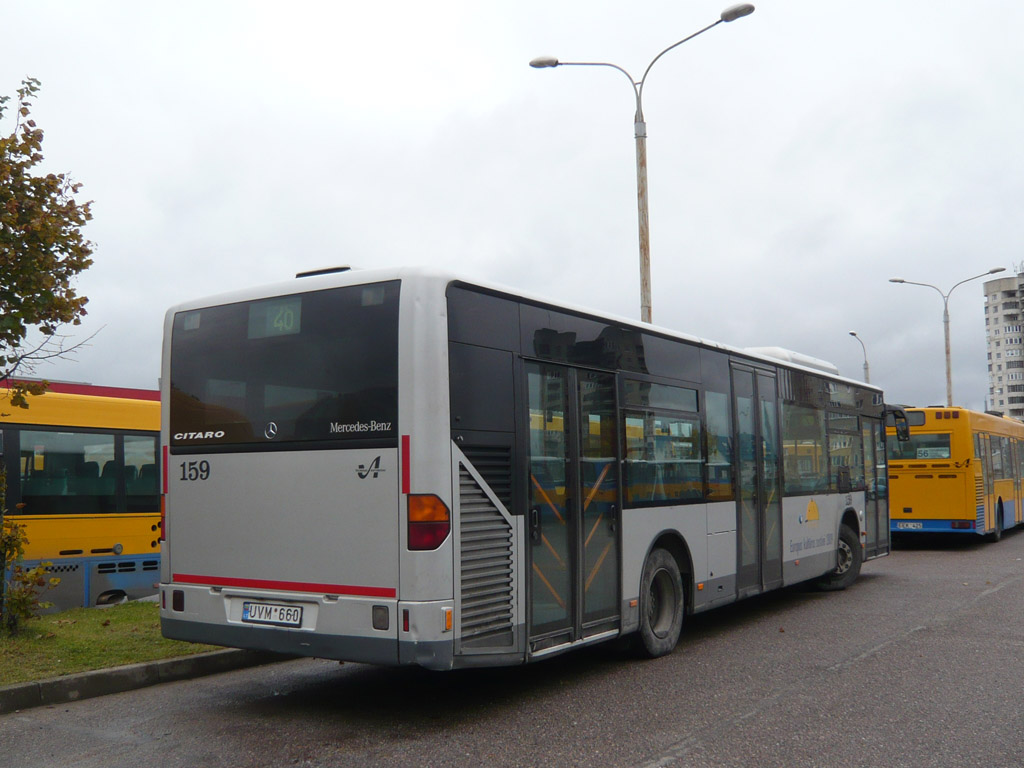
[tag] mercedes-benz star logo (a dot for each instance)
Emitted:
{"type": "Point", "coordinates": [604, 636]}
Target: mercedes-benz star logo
{"type": "Point", "coordinates": [271, 431]}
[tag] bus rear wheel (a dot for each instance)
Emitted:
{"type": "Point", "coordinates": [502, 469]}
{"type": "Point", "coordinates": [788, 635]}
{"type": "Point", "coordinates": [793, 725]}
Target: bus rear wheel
{"type": "Point", "coordinates": [997, 534]}
{"type": "Point", "coordinates": [848, 561]}
{"type": "Point", "coordinates": [661, 605]}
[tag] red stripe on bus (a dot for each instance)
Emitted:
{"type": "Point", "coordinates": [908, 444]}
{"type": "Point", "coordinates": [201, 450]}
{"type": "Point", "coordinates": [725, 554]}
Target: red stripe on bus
{"type": "Point", "coordinates": [93, 390]}
{"type": "Point", "coordinates": [405, 464]}
{"type": "Point", "coordinates": [289, 586]}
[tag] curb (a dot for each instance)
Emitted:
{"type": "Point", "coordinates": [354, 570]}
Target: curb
{"type": "Point", "coordinates": [86, 685]}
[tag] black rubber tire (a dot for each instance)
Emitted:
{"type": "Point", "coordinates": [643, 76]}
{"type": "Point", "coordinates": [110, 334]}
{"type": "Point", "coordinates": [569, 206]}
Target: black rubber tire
{"type": "Point", "coordinates": [850, 558]}
{"type": "Point", "coordinates": [662, 605]}
{"type": "Point", "coordinates": [997, 534]}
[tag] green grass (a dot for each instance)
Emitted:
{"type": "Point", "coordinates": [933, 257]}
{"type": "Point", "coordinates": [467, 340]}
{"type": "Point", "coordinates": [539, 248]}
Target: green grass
{"type": "Point", "coordinates": [83, 639]}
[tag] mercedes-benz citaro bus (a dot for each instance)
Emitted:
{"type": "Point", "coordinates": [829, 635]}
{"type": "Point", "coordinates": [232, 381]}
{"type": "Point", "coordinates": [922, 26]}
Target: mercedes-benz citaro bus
{"type": "Point", "coordinates": [399, 466]}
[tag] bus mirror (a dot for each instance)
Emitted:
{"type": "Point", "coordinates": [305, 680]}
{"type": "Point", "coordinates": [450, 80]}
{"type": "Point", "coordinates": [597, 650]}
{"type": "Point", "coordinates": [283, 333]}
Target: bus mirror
{"type": "Point", "coordinates": [899, 417]}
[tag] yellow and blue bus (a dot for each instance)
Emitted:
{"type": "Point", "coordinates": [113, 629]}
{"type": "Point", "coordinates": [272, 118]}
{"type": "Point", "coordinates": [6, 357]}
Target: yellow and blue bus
{"type": "Point", "coordinates": [960, 472]}
{"type": "Point", "coordinates": [83, 479]}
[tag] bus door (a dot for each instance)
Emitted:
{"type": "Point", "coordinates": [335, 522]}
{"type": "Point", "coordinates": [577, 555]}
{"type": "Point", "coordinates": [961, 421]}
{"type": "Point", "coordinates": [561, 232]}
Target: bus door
{"type": "Point", "coordinates": [574, 504]}
{"type": "Point", "coordinates": [876, 500]}
{"type": "Point", "coordinates": [758, 478]}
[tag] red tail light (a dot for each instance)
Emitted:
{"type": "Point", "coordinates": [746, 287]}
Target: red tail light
{"type": "Point", "coordinates": [429, 522]}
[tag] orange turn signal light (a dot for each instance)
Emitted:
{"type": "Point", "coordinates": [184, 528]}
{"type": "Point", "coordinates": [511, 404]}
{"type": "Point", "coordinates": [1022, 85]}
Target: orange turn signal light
{"type": "Point", "coordinates": [427, 508]}
{"type": "Point", "coordinates": [430, 522]}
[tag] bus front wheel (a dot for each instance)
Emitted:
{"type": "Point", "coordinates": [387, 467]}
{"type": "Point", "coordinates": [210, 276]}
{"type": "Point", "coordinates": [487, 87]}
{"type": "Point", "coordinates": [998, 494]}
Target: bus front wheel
{"type": "Point", "coordinates": [848, 561]}
{"type": "Point", "coordinates": [661, 605]}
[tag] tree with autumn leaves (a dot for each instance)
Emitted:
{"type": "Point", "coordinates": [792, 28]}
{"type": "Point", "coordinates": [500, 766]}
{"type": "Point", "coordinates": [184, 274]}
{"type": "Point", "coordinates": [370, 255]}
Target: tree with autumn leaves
{"type": "Point", "coordinates": [41, 251]}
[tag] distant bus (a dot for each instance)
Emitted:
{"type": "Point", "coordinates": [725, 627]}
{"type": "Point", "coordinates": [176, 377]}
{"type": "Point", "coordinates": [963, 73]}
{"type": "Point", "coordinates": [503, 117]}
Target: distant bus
{"type": "Point", "coordinates": [83, 478]}
{"type": "Point", "coordinates": [403, 467]}
{"type": "Point", "coordinates": [960, 472]}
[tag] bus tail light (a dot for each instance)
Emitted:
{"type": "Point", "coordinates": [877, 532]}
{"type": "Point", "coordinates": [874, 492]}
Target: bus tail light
{"type": "Point", "coordinates": [430, 522]}
{"type": "Point", "coordinates": [963, 524]}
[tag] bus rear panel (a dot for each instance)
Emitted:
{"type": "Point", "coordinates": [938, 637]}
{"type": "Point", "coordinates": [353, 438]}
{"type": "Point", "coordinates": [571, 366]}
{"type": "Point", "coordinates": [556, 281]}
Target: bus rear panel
{"type": "Point", "coordinates": [283, 480]}
{"type": "Point", "coordinates": [960, 473]}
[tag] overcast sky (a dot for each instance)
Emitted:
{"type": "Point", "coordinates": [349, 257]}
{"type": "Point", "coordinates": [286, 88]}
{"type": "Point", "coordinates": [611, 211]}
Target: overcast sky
{"type": "Point", "coordinates": [799, 158]}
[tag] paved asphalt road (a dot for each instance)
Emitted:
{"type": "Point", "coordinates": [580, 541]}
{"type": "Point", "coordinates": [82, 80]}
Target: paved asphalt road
{"type": "Point", "coordinates": [920, 663]}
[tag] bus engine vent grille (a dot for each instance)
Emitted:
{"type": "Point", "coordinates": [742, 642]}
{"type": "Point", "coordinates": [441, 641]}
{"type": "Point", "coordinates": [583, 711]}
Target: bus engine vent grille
{"type": "Point", "coordinates": [486, 569]}
{"type": "Point", "coordinates": [494, 463]}
{"type": "Point", "coordinates": [122, 566]}
{"type": "Point", "coordinates": [979, 495]}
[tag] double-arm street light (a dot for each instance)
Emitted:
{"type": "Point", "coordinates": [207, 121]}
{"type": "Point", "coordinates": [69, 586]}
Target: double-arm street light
{"type": "Point", "coordinates": [867, 375]}
{"type": "Point", "coordinates": [640, 134]}
{"type": "Point", "coordinates": [945, 320]}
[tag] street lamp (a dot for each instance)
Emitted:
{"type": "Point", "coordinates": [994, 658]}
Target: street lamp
{"type": "Point", "coordinates": [731, 13]}
{"type": "Point", "coordinates": [867, 375]}
{"type": "Point", "coordinates": [945, 320]}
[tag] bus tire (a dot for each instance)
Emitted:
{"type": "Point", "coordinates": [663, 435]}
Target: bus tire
{"type": "Point", "coordinates": [849, 559]}
{"type": "Point", "coordinates": [661, 605]}
{"type": "Point", "coordinates": [997, 534]}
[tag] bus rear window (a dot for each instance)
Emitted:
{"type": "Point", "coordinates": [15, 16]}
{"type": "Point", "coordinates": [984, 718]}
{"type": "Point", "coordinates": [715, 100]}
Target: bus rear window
{"type": "Point", "coordinates": [914, 419]}
{"type": "Point", "coordinates": [920, 447]}
{"type": "Point", "coordinates": [308, 367]}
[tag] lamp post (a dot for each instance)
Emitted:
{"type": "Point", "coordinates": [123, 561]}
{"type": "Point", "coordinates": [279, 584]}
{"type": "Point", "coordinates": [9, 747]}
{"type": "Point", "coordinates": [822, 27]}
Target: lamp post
{"type": "Point", "coordinates": [867, 375]}
{"type": "Point", "coordinates": [731, 13]}
{"type": "Point", "coordinates": [945, 319]}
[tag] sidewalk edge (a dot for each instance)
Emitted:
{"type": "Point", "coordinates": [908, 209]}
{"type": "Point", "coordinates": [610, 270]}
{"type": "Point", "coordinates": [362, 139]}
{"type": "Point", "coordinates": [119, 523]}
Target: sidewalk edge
{"type": "Point", "coordinates": [86, 685]}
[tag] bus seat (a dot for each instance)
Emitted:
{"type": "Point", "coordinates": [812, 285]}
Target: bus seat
{"type": "Point", "coordinates": [85, 483]}
{"type": "Point", "coordinates": [107, 484]}
{"type": "Point", "coordinates": [147, 481]}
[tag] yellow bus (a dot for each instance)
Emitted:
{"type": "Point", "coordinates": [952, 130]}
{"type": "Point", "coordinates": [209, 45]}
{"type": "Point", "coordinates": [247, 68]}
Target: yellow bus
{"type": "Point", "coordinates": [83, 478]}
{"type": "Point", "coordinates": [960, 472]}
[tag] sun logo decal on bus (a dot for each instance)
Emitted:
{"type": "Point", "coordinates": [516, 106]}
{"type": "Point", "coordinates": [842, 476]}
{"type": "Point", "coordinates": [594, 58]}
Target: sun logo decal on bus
{"type": "Point", "coordinates": [812, 514]}
{"type": "Point", "coordinates": [375, 469]}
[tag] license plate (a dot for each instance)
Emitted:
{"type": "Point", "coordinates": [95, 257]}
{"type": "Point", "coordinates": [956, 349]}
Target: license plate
{"type": "Point", "coordinates": [910, 526]}
{"type": "Point", "coordinates": [272, 613]}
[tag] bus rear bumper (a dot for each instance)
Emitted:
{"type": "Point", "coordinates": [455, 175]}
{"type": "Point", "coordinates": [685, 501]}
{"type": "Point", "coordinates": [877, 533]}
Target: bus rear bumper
{"type": "Point", "coordinates": [291, 642]}
{"type": "Point", "coordinates": [365, 630]}
{"type": "Point", "coordinates": [934, 526]}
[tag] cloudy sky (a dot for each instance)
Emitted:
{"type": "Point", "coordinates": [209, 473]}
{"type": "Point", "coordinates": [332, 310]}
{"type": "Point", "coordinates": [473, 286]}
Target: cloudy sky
{"type": "Point", "coordinates": [799, 158]}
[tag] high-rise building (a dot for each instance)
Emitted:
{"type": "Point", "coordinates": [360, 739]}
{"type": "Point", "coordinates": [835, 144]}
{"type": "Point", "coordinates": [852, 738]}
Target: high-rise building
{"type": "Point", "coordinates": [1004, 342]}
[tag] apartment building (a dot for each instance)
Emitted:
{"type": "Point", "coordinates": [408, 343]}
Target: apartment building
{"type": "Point", "coordinates": [1004, 342]}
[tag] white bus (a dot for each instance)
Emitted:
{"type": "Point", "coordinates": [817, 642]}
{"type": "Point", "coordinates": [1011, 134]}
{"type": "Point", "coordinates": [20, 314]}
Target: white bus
{"type": "Point", "coordinates": [402, 467]}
